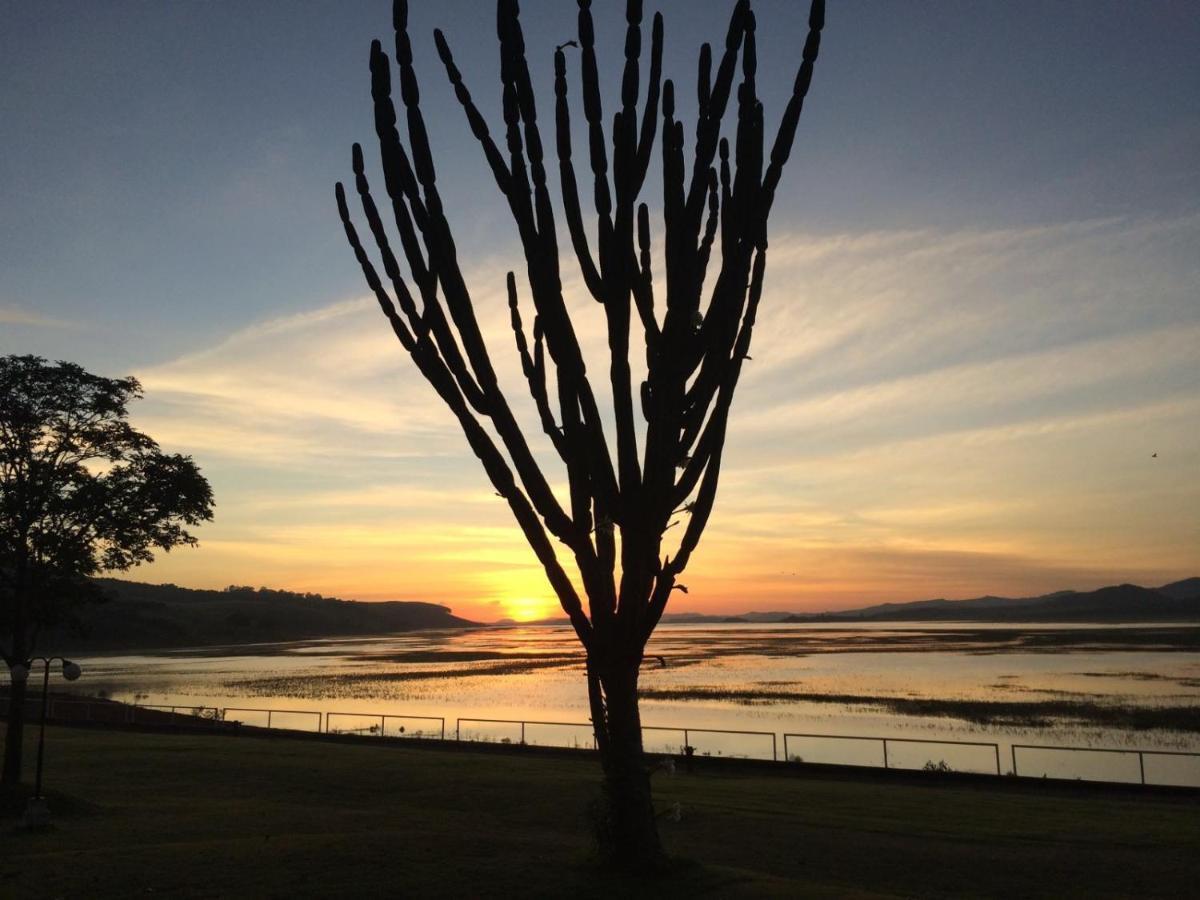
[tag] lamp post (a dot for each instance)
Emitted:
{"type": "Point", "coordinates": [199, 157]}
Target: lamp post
{"type": "Point", "coordinates": [37, 814]}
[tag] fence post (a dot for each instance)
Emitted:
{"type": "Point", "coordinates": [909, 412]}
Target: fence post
{"type": "Point", "coordinates": [997, 747]}
{"type": "Point", "coordinates": [1013, 747]}
{"type": "Point", "coordinates": [522, 732]}
{"type": "Point", "coordinates": [1142, 765]}
{"type": "Point", "coordinates": [774, 749]}
{"type": "Point", "coordinates": [885, 759]}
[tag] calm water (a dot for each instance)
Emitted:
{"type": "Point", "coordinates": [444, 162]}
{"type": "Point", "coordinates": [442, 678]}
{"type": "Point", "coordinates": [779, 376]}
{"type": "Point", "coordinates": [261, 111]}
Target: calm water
{"type": "Point", "coordinates": [862, 680]}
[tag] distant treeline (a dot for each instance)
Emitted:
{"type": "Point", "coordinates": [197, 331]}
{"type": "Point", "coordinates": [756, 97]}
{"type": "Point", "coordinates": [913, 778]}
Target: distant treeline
{"type": "Point", "coordinates": [133, 616]}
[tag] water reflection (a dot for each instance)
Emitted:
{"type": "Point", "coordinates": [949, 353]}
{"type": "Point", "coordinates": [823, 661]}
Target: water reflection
{"type": "Point", "coordinates": [1089, 685]}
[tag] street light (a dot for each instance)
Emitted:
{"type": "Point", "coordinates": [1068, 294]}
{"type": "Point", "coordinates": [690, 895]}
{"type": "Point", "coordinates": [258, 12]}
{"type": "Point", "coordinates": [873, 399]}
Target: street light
{"type": "Point", "coordinates": [37, 814]}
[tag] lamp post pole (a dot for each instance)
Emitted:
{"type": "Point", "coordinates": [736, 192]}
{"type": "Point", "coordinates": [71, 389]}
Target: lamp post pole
{"type": "Point", "coordinates": [37, 815]}
{"type": "Point", "coordinates": [37, 784]}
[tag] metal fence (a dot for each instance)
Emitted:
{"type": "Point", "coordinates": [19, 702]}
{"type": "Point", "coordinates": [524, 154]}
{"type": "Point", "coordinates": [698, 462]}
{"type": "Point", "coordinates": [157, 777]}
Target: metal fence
{"type": "Point", "coordinates": [203, 712]}
{"type": "Point", "coordinates": [888, 761]}
{"type": "Point", "coordinates": [522, 726]}
{"type": "Point", "coordinates": [184, 716]}
{"type": "Point", "coordinates": [688, 732]}
{"type": "Point", "coordinates": [381, 729]}
{"type": "Point", "coordinates": [271, 713]}
{"type": "Point", "coordinates": [1115, 752]}
{"type": "Point", "coordinates": [1154, 767]}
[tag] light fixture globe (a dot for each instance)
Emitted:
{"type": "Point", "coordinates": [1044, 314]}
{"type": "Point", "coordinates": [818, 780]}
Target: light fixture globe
{"type": "Point", "coordinates": [71, 671]}
{"type": "Point", "coordinates": [19, 673]}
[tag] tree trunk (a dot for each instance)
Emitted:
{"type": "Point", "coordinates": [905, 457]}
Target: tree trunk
{"type": "Point", "coordinates": [14, 735]}
{"type": "Point", "coordinates": [628, 827]}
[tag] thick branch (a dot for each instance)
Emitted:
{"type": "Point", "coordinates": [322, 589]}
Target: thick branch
{"type": "Point", "coordinates": [431, 365]}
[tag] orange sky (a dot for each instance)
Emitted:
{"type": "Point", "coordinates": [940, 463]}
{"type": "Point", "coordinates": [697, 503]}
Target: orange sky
{"type": "Point", "coordinates": [884, 446]}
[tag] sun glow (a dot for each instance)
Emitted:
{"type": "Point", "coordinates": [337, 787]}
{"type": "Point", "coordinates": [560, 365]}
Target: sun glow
{"type": "Point", "coordinates": [527, 609]}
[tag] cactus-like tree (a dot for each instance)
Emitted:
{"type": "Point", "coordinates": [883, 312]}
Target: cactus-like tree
{"type": "Point", "coordinates": [623, 496]}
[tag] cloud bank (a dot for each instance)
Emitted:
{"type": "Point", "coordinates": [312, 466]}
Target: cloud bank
{"type": "Point", "coordinates": [927, 413]}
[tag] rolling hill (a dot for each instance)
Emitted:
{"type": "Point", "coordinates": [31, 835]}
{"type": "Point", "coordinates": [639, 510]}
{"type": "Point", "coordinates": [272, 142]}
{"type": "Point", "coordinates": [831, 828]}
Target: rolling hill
{"type": "Point", "coordinates": [135, 615]}
{"type": "Point", "coordinates": [139, 616]}
{"type": "Point", "coordinates": [1178, 601]}
{"type": "Point", "coordinates": [1118, 603]}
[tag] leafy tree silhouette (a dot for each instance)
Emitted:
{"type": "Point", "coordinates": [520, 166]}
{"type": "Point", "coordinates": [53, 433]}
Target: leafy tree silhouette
{"type": "Point", "coordinates": [81, 491]}
{"type": "Point", "coordinates": [695, 344]}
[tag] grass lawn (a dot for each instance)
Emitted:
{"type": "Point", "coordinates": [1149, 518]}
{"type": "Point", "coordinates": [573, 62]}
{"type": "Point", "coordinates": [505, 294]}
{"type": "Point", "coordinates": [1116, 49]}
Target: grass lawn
{"type": "Point", "coordinates": [209, 816]}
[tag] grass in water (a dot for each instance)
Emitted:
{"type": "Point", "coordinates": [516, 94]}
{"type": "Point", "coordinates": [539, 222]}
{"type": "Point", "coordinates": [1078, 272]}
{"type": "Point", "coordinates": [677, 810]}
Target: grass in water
{"type": "Point", "coordinates": [1033, 713]}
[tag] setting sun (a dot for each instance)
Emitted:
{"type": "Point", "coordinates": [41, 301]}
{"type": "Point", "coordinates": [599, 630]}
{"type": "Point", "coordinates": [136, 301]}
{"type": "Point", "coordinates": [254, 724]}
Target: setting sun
{"type": "Point", "coordinates": [528, 609]}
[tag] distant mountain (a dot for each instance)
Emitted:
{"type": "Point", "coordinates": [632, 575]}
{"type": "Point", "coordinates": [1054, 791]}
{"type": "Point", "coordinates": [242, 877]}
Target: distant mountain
{"type": "Point", "coordinates": [1175, 602]}
{"type": "Point", "coordinates": [1118, 603]}
{"type": "Point", "coordinates": [1187, 589]}
{"type": "Point", "coordinates": [145, 616]}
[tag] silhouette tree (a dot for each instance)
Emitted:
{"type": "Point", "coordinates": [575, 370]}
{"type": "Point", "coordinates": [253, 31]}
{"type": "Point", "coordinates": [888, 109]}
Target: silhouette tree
{"type": "Point", "coordinates": [714, 257]}
{"type": "Point", "coordinates": [81, 491]}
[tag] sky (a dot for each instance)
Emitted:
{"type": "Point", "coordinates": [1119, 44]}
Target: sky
{"type": "Point", "coordinates": [981, 317]}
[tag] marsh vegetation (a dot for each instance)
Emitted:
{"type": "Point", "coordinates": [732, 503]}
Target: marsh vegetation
{"type": "Point", "coordinates": [1083, 685]}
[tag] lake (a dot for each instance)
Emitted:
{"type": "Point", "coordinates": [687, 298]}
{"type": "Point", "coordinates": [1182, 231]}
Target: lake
{"type": "Point", "coordinates": [1116, 687]}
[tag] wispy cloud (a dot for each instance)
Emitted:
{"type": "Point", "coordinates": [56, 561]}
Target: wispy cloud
{"type": "Point", "coordinates": [938, 412]}
{"type": "Point", "coordinates": [16, 315]}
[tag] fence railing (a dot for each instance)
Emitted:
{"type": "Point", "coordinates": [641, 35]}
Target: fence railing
{"type": "Point", "coordinates": [274, 712]}
{"type": "Point", "coordinates": [383, 720]}
{"type": "Point", "coordinates": [522, 724]}
{"type": "Point", "coordinates": [688, 732]}
{"type": "Point", "coordinates": [103, 711]}
{"type": "Point", "coordinates": [884, 741]}
{"type": "Point", "coordinates": [180, 713]}
{"type": "Point", "coordinates": [1141, 757]}
{"type": "Point", "coordinates": [189, 709]}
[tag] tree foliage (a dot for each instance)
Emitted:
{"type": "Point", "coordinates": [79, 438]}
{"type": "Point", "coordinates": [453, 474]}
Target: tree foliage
{"type": "Point", "coordinates": [81, 490]}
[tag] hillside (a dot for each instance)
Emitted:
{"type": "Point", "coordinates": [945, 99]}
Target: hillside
{"type": "Point", "coordinates": [143, 616]}
{"type": "Point", "coordinates": [1182, 590]}
{"type": "Point", "coordinates": [1178, 601]}
{"type": "Point", "coordinates": [1117, 603]}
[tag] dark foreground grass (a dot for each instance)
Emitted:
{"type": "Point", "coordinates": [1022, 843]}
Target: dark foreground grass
{"type": "Point", "coordinates": [208, 816]}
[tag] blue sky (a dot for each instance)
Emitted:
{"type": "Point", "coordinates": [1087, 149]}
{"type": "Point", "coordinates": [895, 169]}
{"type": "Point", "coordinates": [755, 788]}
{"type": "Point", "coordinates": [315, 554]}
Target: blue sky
{"type": "Point", "coordinates": [983, 300]}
